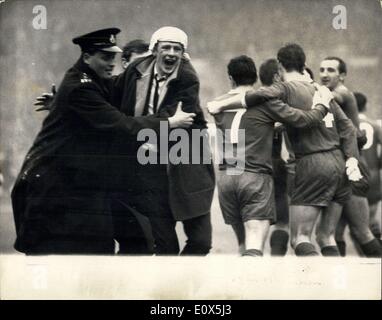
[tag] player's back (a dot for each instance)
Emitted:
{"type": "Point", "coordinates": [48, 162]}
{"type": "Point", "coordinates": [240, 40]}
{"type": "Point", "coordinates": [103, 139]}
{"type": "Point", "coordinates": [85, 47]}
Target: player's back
{"type": "Point", "coordinates": [258, 128]}
{"type": "Point", "coordinates": [320, 138]}
{"type": "Point", "coordinates": [227, 125]}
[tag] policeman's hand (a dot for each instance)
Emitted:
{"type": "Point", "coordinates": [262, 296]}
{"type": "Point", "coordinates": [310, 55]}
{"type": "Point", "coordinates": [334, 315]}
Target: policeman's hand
{"type": "Point", "coordinates": [322, 96]}
{"type": "Point", "coordinates": [352, 170]}
{"type": "Point", "coordinates": [45, 99]}
{"type": "Point", "coordinates": [181, 119]}
{"type": "Point", "coordinates": [213, 107]}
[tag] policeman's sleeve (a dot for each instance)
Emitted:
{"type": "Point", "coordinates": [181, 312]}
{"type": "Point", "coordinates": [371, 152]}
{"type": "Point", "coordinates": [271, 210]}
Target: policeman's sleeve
{"type": "Point", "coordinates": [282, 112]}
{"type": "Point", "coordinates": [346, 130]}
{"type": "Point", "coordinates": [256, 97]}
{"type": "Point", "coordinates": [87, 102]}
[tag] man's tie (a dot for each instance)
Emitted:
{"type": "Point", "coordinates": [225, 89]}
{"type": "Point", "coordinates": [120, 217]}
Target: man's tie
{"type": "Point", "coordinates": [156, 92]}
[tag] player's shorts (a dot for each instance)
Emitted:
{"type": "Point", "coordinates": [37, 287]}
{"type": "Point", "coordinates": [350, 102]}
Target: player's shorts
{"type": "Point", "coordinates": [280, 178]}
{"type": "Point", "coordinates": [375, 192]}
{"type": "Point", "coordinates": [320, 178]}
{"type": "Point", "coordinates": [248, 196]}
{"type": "Point", "coordinates": [291, 173]}
{"type": "Point", "coordinates": [361, 188]}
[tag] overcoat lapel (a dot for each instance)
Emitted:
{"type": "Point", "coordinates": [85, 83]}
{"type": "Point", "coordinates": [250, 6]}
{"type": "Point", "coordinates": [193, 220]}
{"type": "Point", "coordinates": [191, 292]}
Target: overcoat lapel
{"type": "Point", "coordinates": [143, 86]}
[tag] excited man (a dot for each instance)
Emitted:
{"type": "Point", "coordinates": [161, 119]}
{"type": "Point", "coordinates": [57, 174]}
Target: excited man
{"type": "Point", "coordinates": [166, 193]}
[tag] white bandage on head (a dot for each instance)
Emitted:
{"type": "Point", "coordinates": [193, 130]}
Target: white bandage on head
{"type": "Point", "coordinates": [171, 34]}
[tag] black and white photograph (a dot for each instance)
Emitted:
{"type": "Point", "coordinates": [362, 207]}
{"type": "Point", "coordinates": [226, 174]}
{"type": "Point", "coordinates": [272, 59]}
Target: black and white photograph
{"type": "Point", "coordinates": [166, 150]}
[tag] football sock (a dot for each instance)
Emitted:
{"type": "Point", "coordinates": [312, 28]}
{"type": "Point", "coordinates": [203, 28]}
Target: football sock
{"type": "Point", "coordinates": [252, 253]}
{"type": "Point", "coordinates": [279, 243]}
{"type": "Point", "coordinates": [356, 244]}
{"type": "Point", "coordinates": [330, 251]}
{"type": "Point", "coordinates": [305, 249]}
{"type": "Point", "coordinates": [341, 245]}
{"type": "Point", "coordinates": [372, 249]}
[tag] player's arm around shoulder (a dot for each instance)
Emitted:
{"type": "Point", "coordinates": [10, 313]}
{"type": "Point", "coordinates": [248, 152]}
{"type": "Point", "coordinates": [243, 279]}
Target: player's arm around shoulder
{"type": "Point", "coordinates": [299, 118]}
{"type": "Point", "coordinates": [277, 90]}
{"type": "Point", "coordinates": [282, 112]}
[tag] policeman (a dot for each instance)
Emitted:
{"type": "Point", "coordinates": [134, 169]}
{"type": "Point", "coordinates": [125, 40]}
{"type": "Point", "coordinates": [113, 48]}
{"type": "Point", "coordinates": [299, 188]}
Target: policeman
{"type": "Point", "coordinates": [59, 198]}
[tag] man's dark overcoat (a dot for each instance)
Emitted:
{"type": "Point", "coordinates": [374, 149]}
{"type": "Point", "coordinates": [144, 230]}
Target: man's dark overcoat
{"type": "Point", "coordinates": [190, 186]}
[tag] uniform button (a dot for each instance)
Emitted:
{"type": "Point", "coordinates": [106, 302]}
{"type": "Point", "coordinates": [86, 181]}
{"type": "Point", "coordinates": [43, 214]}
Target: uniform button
{"type": "Point", "coordinates": [37, 176]}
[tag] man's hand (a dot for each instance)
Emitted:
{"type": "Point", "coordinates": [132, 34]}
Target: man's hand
{"type": "Point", "coordinates": [322, 96]}
{"type": "Point", "coordinates": [213, 107]}
{"type": "Point", "coordinates": [181, 119]}
{"type": "Point", "coordinates": [44, 101]}
{"type": "Point", "coordinates": [352, 170]}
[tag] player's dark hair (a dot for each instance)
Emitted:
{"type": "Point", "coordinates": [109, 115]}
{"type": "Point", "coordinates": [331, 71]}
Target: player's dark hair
{"type": "Point", "coordinates": [267, 71]}
{"type": "Point", "coordinates": [341, 64]}
{"type": "Point", "coordinates": [361, 101]}
{"type": "Point", "coordinates": [134, 46]}
{"type": "Point", "coordinates": [243, 71]}
{"type": "Point", "coordinates": [292, 57]}
{"type": "Point", "coordinates": [310, 72]}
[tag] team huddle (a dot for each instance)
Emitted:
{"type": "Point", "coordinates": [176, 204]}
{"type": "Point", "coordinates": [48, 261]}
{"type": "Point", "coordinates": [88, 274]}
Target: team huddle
{"type": "Point", "coordinates": [319, 163]}
{"type": "Point", "coordinates": [310, 156]}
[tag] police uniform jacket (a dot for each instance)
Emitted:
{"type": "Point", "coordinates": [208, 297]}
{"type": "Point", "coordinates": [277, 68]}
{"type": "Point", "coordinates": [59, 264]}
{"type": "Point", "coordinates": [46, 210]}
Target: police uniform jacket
{"type": "Point", "coordinates": [60, 190]}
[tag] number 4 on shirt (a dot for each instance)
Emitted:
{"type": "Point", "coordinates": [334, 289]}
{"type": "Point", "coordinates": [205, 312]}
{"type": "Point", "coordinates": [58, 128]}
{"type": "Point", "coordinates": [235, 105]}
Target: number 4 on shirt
{"type": "Point", "coordinates": [328, 120]}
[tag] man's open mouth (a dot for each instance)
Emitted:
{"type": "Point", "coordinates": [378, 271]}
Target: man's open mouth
{"type": "Point", "coordinates": [169, 62]}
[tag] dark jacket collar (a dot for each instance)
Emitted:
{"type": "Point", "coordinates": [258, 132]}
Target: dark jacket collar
{"type": "Point", "coordinates": [84, 68]}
